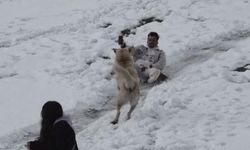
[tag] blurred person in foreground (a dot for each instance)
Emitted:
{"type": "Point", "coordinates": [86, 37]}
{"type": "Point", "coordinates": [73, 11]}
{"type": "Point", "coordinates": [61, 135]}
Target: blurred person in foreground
{"type": "Point", "coordinates": [56, 130]}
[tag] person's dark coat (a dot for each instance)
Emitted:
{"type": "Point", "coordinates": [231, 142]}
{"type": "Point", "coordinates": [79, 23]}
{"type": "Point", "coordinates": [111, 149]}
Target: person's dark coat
{"type": "Point", "coordinates": [60, 137]}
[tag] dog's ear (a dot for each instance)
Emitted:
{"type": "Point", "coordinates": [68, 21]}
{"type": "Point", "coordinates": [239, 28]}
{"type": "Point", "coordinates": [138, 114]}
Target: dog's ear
{"type": "Point", "coordinates": [114, 49]}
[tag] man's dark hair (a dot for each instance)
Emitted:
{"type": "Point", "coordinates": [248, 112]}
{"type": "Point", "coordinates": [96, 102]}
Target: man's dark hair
{"type": "Point", "coordinates": [154, 34]}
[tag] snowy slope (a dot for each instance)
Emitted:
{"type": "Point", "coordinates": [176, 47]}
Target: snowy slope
{"type": "Point", "coordinates": [61, 50]}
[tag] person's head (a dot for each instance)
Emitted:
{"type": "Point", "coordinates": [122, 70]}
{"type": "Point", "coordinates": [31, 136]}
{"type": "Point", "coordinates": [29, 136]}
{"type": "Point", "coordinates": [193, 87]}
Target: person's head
{"type": "Point", "coordinates": [51, 111]}
{"type": "Point", "coordinates": [152, 40]}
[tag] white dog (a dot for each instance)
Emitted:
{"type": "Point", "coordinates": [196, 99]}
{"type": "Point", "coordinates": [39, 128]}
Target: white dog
{"type": "Point", "coordinates": [127, 81]}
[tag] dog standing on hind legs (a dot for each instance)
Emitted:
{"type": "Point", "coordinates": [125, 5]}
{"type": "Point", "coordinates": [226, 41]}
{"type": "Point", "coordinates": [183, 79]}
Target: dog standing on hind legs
{"type": "Point", "coordinates": [127, 81]}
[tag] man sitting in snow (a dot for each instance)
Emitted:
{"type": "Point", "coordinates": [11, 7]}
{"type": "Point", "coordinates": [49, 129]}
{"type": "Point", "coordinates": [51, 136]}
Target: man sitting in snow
{"type": "Point", "coordinates": [150, 60]}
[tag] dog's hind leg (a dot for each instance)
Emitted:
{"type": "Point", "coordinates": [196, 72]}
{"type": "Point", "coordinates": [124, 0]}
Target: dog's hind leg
{"type": "Point", "coordinates": [133, 104]}
{"type": "Point", "coordinates": [121, 100]}
{"type": "Point", "coordinates": [132, 107]}
{"type": "Point", "coordinates": [118, 109]}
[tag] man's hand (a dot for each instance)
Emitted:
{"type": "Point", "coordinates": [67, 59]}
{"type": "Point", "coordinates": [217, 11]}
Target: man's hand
{"type": "Point", "coordinates": [143, 68]}
{"type": "Point", "coordinates": [121, 41]}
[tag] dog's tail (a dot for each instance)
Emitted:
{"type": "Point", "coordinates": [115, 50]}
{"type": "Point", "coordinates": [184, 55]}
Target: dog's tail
{"type": "Point", "coordinates": [130, 82]}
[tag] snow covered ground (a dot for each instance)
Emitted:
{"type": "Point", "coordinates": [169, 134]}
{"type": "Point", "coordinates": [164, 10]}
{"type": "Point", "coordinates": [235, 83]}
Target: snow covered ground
{"type": "Point", "coordinates": [61, 50]}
